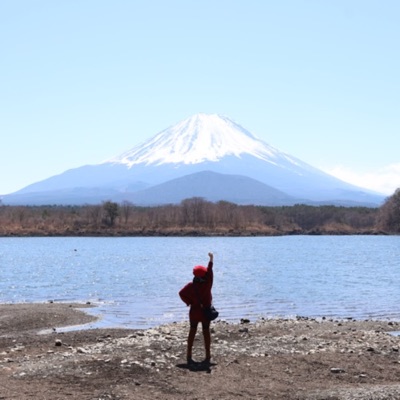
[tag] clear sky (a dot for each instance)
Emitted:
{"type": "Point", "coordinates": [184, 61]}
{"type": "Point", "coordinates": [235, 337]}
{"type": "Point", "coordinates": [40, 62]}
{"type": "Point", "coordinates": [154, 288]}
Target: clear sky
{"type": "Point", "coordinates": [84, 80]}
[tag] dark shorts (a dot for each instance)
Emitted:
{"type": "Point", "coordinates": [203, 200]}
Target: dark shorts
{"type": "Point", "coordinates": [205, 324]}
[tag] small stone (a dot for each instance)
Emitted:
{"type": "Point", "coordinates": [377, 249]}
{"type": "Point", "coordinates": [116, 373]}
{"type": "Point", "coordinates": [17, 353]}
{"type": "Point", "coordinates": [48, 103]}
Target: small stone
{"type": "Point", "coordinates": [58, 342]}
{"type": "Point", "coordinates": [244, 321]}
{"type": "Point", "coordinates": [337, 370]}
{"type": "Point", "coordinates": [81, 350]}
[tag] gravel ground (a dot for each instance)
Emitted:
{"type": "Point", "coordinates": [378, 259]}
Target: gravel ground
{"type": "Point", "coordinates": [269, 359]}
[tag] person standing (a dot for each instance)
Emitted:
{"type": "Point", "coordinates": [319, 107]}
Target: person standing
{"type": "Point", "coordinates": [197, 294]}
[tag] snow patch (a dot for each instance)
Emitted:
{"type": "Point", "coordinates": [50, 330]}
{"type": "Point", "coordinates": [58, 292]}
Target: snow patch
{"type": "Point", "coordinates": [200, 138]}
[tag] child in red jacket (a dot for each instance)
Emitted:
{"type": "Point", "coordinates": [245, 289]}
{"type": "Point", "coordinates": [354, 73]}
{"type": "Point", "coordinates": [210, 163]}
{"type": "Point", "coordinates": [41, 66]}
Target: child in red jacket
{"type": "Point", "coordinates": [197, 294]}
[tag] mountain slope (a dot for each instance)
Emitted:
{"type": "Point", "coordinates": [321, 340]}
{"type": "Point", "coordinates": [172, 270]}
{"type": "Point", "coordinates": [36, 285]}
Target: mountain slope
{"type": "Point", "coordinates": [212, 187]}
{"type": "Point", "coordinates": [200, 143]}
{"type": "Point", "coordinates": [198, 139]}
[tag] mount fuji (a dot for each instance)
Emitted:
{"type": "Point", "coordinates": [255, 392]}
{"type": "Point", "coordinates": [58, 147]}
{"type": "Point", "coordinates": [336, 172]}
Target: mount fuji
{"type": "Point", "coordinates": [207, 156]}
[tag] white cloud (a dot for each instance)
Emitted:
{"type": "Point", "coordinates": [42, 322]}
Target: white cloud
{"type": "Point", "coordinates": [384, 180]}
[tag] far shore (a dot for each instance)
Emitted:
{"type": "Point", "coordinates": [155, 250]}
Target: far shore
{"type": "Point", "coordinates": [194, 233]}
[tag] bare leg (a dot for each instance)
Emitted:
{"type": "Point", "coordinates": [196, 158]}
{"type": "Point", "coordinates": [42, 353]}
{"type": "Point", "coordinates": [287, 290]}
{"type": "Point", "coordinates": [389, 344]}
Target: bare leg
{"type": "Point", "coordinates": [192, 334]}
{"type": "Point", "coordinates": [207, 341]}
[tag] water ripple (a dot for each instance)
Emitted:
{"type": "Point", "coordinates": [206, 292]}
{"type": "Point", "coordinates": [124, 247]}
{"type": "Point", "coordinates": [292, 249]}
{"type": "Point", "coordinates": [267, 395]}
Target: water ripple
{"type": "Point", "coordinates": [135, 281]}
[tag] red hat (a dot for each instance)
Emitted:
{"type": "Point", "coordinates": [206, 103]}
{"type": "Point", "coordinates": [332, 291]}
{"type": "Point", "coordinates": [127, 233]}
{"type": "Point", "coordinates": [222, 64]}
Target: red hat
{"type": "Point", "coordinates": [199, 271]}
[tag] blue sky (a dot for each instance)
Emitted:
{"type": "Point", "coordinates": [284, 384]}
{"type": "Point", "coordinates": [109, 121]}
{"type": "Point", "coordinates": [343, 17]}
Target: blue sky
{"type": "Point", "coordinates": [82, 81]}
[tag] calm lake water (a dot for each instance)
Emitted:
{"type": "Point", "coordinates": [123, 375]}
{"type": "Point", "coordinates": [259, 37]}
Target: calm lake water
{"type": "Point", "coordinates": [135, 281]}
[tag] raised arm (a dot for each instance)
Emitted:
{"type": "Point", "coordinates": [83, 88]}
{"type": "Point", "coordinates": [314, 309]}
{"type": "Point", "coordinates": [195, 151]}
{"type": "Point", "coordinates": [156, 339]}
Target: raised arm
{"type": "Point", "coordinates": [210, 273]}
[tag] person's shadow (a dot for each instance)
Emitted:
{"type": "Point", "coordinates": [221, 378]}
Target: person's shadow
{"type": "Point", "coordinates": [197, 366]}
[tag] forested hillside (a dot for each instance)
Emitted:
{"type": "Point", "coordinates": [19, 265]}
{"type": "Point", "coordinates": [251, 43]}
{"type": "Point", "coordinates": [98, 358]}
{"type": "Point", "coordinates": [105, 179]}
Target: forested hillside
{"type": "Point", "coordinates": [196, 216]}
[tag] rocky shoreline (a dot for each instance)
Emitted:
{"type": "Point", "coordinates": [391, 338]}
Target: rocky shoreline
{"type": "Point", "coordinates": [268, 359]}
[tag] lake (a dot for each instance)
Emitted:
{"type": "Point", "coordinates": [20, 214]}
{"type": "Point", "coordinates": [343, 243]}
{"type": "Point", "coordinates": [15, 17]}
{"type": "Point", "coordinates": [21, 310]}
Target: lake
{"type": "Point", "coordinates": [134, 282]}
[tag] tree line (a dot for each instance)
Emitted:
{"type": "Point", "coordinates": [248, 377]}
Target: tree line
{"type": "Point", "coordinates": [197, 216]}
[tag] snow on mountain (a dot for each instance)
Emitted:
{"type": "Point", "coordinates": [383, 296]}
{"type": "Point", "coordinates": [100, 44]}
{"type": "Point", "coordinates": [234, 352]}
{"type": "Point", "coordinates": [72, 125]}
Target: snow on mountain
{"type": "Point", "coordinates": [200, 138]}
{"type": "Point", "coordinates": [170, 167]}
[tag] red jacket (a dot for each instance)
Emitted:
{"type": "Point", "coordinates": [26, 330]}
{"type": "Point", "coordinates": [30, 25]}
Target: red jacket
{"type": "Point", "coordinates": [196, 295]}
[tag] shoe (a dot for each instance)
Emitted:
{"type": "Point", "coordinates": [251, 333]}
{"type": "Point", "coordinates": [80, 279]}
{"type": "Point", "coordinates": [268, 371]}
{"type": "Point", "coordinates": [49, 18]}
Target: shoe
{"type": "Point", "coordinates": [190, 361]}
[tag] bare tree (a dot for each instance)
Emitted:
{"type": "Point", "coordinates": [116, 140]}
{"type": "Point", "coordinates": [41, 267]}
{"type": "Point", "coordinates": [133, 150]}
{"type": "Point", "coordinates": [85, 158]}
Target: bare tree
{"type": "Point", "coordinates": [193, 211]}
{"type": "Point", "coordinates": [389, 213]}
{"type": "Point", "coordinates": [94, 214]}
{"type": "Point", "coordinates": [126, 210]}
{"type": "Point", "coordinates": [111, 210]}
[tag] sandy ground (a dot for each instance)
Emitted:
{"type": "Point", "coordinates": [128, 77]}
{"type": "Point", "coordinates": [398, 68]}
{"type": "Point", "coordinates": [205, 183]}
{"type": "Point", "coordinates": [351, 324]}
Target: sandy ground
{"type": "Point", "coordinates": [270, 359]}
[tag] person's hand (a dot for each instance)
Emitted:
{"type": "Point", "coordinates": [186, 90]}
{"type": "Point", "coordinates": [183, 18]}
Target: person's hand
{"type": "Point", "coordinates": [211, 255]}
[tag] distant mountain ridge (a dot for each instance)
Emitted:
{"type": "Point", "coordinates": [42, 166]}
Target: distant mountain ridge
{"type": "Point", "coordinates": [207, 156]}
{"type": "Point", "coordinates": [214, 187]}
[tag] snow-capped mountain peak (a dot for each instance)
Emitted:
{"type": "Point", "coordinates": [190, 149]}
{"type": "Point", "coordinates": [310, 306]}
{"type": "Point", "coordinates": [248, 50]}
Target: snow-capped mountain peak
{"type": "Point", "coordinates": [202, 137]}
{"type": "Point", "coordinates": [207, 156]}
